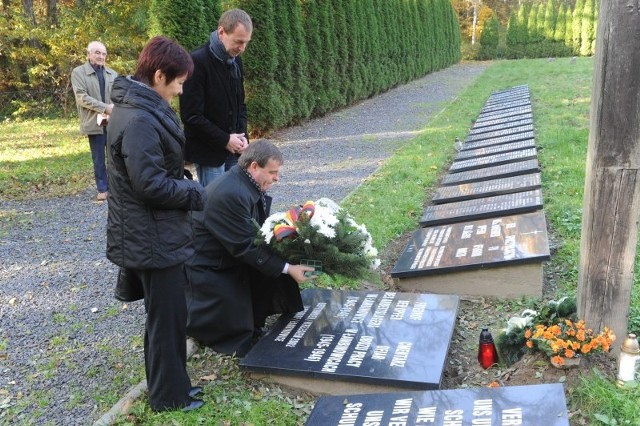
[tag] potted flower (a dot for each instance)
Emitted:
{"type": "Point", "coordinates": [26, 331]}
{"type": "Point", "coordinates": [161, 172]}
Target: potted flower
{"type": "Point", "coordinates": [567, 341]}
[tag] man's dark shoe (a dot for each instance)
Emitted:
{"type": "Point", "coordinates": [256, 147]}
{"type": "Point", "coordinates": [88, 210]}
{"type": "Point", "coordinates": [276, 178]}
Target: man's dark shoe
{"type": "Point", "coordinates": [194, 405]}
{"type": "Point", "coordinates": [195, 390]}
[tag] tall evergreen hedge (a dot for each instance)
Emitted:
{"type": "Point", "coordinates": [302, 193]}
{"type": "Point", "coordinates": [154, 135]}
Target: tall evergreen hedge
{"type": "Point", "coordinates": [550, 28]}
{"type": "Point", "coordinates": [489, 38]}
{"type": "Point", "coordinates": [182, 21]}
{"type": "Point", "coordinates": [309, 57]}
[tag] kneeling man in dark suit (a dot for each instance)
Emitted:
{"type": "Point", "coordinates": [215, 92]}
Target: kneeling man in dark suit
{"type": "Point", "coordinates": [234, 285]}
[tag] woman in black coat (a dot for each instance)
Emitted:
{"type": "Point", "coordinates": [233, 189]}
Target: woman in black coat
{"type": "Point", "coordinates": [149, 221]}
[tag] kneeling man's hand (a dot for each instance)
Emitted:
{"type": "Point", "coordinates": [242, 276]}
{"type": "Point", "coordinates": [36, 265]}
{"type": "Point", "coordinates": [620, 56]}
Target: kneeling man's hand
{"type": "Point", "coordinates": [297, 273]}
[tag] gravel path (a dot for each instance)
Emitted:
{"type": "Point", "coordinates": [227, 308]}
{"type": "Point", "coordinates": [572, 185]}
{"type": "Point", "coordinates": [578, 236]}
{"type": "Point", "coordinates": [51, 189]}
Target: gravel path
{"type": "Point", "coordinates": [68, 349]}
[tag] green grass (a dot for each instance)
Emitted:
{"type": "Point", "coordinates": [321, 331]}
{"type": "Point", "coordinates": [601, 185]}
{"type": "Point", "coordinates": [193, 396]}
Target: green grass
{"type": "Point", "coordinates": [50, 158]}
{"type": "Point", "coordinates": [43, 158]}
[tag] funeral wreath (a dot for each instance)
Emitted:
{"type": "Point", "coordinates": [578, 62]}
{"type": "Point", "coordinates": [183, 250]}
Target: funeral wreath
{"type": "Point", "coordinates": [321, 232]}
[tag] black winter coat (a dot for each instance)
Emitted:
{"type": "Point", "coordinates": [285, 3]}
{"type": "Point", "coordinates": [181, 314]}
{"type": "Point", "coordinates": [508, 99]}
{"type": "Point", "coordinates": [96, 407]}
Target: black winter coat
{"type": "Point", "coordinates": [149, 220]}
{"type": "Point", "coordinates": [212, 107]}
{"type": "Point", "coordinates": [234, 284]}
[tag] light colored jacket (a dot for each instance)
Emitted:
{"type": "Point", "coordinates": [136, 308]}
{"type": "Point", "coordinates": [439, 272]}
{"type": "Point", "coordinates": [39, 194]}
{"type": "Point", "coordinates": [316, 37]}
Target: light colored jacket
{"type": "Point", "coordinates": [87, 91]}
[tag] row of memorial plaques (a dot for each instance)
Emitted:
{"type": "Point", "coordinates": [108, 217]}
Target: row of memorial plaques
{"type": "Point", "coordinates": [533, 405]}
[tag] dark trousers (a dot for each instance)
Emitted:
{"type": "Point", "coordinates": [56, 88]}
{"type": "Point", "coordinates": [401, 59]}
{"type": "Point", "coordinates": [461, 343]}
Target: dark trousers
{"type": "Point", "coordinates": [165, 350]}
{"type": "Point", "coordinates": [98, 145]}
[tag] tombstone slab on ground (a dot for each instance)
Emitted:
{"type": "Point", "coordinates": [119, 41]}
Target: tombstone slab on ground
{"type": "Point", "coordinates": [490, 173]}
{"type": "Point", "coordinates": [508, 124]}
{"type": "Point", "coordinates": [504, 131]}
{"type": "Point", "coordinates": [480, 208]}
{"type": "Point", "coordinates": [347, 342]}
{"type": "Point", "coordinates": [491, 257]}
{"type": "Point", "coordinates": [511, 104]}
{"type": "Point", "coordinates": [487, 188]}
{"type": "Point", "coordinates": [495, 149]}
{"type": "Point", "coordinates": [503, 113]}
{"type": "Point", "coordinates": [532, 405]}
{"type": "Point", "coordinates": [493, 160]}
{"type": "Point", "coordinates": [527, 137]}
{"type": "Point", "coordinates": [478, 126]}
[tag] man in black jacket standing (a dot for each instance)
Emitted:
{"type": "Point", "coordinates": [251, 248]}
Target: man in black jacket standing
{"type": "Point", "coordinates": [212, 105]}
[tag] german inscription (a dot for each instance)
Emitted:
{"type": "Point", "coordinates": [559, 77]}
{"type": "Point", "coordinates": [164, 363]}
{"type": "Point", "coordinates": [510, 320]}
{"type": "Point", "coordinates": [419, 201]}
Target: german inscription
{"type": "Point", "coordinates": [500, 205]}
{"type": "Point", "coordinates": [483, 243]}
{"type": "Point", "coordinates": [385, 338]}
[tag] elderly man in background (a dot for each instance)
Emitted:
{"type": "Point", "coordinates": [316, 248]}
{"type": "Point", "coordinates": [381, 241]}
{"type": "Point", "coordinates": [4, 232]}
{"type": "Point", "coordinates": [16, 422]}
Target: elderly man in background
{"type": "Point", "coordinates": [92, 82]}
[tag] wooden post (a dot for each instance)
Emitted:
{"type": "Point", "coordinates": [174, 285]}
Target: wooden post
{"type": "Point", "coordinates": [612, 185]}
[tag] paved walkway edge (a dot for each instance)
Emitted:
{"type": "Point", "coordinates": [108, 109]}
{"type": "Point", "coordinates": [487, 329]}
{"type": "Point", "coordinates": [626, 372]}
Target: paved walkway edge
{"type": "Point", "coordinates": [122, 407]}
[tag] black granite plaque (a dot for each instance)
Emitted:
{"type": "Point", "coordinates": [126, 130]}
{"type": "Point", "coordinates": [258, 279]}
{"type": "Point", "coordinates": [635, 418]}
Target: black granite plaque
{"type": "Point", "coordinates": [487, 188]}
{"type": "Point", "coordinates": [500, 106]}
{"type": "Point", "coordinates": [493, 160]}
{"type": "Point", "coordinates": [502, 140]}
{"type": "Point", "coordinates": [383, 338]}
{"type": "Point", "coordinates": [492, 242]}
{"type": "Point", "coordinates": [494, 149]}
{"type": "Point", "coordinates": [500, 205]}
{"type": "Point", "coordinates": [494, 97]}
{"type": "Point", "coordinates": [498, 133]}
{"type": "Point", "coordinates": [503, 113]}
{"type": "Point", "coordinates": [489, 173]}
{"type": "Point", "coordinates": [492, 102]}
{"type": "Point", "coordinates": [502, 126]}
{"type": "Point", "coordinates": [514, 89]}
{"type": "Point", "coordinates": [533, 405]}
{"type": "Point", "coordinates": [479, 125]}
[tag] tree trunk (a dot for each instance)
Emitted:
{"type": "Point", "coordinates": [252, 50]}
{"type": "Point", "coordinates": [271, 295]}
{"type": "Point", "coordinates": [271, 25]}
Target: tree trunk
{"type": "Point", "coordinates": [52, 11]}
{"type": "Point", "coordinates": [612, 185]}
{"type": "Point", "coordinates": [475, 22]}
{"type": "Point", "coordinates": [28, 11]}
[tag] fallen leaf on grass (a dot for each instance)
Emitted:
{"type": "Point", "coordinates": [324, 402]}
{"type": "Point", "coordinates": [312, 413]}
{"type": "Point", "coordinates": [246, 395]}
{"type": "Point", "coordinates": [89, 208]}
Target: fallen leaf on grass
{"type": "Point", "coordinates": [209, 378]}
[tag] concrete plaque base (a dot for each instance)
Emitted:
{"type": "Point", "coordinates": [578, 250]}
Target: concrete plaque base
{"type": "Point", "coordinates": [511, 281]}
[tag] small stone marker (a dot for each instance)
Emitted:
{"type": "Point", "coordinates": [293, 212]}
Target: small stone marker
{"type": "Point", "coordinates": [480, 208]}
{"type": "Point", "coordinates": [358, 342]}
{"type": "Point", "coordinates": [507, 139]}
{"type": "Point", "coordinates": [482, 151]}
{"type": "Point", "coordinates": [493, 160]}
{"type": "Point", "coordinates": [487, 188]}
{"type": "Point", "coordinates": [532, 405]}
{"type": "Point", "coordinates": [490, 173]}
{"type": "Point", "coordinates": [497, 133]}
